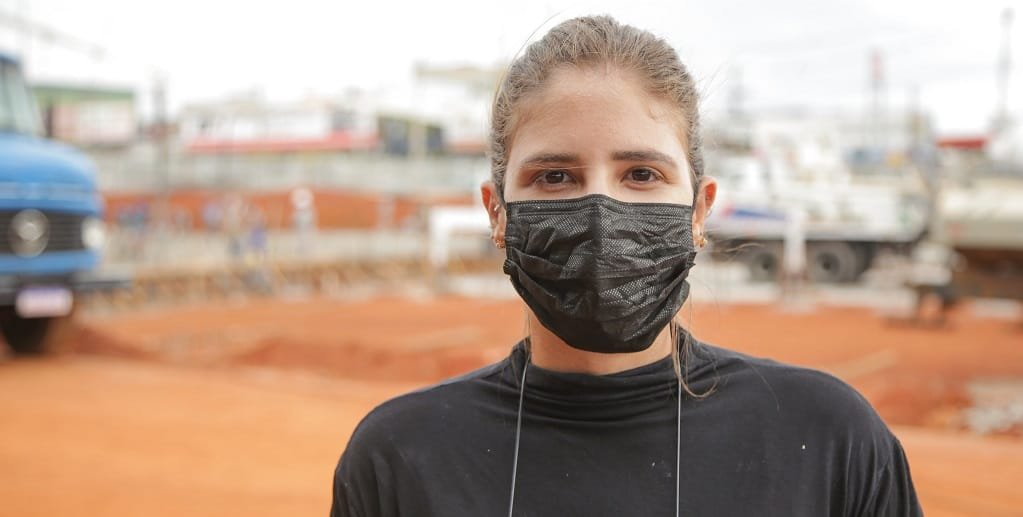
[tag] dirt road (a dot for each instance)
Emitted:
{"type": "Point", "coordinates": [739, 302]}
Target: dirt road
{"type": "Point", "coordinates": [101, 436]}
{"type": "Point", "coordinates": [243, 410]}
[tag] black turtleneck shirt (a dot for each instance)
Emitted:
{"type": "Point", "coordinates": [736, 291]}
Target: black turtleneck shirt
{"type": "Point", "coordinates": [767, 439]}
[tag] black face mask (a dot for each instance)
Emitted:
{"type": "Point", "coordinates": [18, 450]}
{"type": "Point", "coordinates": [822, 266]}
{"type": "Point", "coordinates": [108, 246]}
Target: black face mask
{"type": "Point", "coordinates": [603, 275]}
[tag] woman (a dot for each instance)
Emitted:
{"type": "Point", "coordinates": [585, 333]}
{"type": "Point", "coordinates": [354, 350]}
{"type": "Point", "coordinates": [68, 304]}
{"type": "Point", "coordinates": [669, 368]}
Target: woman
{"type": "Point", "coordinates": [607, 407]}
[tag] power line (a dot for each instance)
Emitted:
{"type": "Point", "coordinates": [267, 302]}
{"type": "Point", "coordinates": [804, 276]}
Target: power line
{"type": "Point", "coordinates": [33, 29]}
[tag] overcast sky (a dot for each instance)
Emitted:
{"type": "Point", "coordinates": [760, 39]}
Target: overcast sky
{"type": "Point", "coordinates": [811, 53]}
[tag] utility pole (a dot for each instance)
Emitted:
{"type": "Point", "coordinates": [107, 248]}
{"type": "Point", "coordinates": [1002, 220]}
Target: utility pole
{"type": "Point", "coordinates": [736, 94]}
{"type": "Point", "coordinates": [159, 132]}
{"type": "Point", "coordinates": [914, 117]}
{"type": "Point", "coordinates": [1004, 72]}
{"type": "Point", "coordinates": [877, 108]}
{"type": "Point", "coordinates": [26, 33]}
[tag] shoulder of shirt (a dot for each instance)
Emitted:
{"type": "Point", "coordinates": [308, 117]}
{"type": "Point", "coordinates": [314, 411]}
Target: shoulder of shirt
{"type": "Point", "coordinates": [787, 389]}
{"type": "Point", "coordinates": [807, 399]}
{"type": "Point", "coordinates": [404, 417]}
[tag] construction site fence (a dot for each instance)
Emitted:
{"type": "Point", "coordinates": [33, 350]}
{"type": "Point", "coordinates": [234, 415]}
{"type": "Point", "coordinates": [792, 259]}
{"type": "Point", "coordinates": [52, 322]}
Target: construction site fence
{"type": "Point", "coordinates": [145, 167]}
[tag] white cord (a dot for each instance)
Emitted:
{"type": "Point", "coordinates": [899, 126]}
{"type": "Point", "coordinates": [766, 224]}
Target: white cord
{"type": "Point", "coordinates": [678, 449]}
{"type": "Point", "coordinates": [518, 434]}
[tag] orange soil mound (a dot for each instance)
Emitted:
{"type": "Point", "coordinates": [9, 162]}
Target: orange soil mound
{"type": "Point", "coordinates": [913, 375]}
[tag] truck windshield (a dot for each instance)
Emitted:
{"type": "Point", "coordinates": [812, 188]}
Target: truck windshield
{"type": "Point", "coordinates": [17, 106]}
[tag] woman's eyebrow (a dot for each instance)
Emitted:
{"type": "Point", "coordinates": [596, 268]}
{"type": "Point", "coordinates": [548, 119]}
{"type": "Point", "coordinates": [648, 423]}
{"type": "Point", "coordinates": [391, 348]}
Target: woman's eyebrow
{"type": "Point", "coordinates": [646, 155]}
{"type": "Point", "coordinates": [546, 158]}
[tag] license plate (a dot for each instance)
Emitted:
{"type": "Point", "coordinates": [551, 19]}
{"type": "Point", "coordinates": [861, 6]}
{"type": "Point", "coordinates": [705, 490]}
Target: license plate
{"type": "Point", "coordinates": [42, 302]}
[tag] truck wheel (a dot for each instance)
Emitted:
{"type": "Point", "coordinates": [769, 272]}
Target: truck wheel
{"type": "Point", "coordinates": [865, 254]}
{"type": "Point", "coordinates": [832, 262]}
{"type": "Point", "coordinates": [28, 336]}
{"type": "Point", "coordinates": [763, 262]}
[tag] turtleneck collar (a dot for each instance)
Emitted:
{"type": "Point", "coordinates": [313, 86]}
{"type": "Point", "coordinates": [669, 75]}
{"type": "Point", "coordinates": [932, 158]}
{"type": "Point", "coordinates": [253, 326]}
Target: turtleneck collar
{"type": "Point", "coordinates": [580, 396]}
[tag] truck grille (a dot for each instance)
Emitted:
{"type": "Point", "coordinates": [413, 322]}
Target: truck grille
{"type": "Point", "coordinates": [65, 231]}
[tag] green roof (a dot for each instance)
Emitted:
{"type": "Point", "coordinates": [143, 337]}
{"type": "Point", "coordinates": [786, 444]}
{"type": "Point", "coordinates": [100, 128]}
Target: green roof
{"type": "Point", "coordinates": [47, 94]}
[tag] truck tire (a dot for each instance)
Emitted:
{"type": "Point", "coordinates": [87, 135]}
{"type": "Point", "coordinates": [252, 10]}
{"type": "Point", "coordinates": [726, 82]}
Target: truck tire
{"type": "Point", "coordinates": [28, 336]}
{"type": "Point", "coordinates": [865, 253]}
{"type": "Point", "coordinates": [763, 262]}
{"type": "Point", "coordinates": [832, 262]}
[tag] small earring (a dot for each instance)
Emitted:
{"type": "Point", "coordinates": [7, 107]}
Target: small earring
{"type": "Point", "coordinates": [498, 241]}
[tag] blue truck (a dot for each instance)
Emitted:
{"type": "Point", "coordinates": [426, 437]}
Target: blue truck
{"type": "Point", "coordinates": [51, 222]}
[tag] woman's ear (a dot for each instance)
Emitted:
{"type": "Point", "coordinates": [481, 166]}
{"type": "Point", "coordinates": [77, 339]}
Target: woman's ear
{"type": "Point", "coordinates": [705, 196]}
{"type": "Point", "coordinates": [495, 211]}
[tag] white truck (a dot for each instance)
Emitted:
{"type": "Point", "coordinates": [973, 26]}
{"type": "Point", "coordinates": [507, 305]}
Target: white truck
{"type": "Point", "coordinates": [847, 218]}
{"type": "Point", "coordinates": [981, 221]}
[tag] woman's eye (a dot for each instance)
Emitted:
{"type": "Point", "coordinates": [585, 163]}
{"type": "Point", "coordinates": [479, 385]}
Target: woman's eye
{"type": "Point", "coordinates": [553, 177]}
{"type": "Point", "coordinates": [642, 175]}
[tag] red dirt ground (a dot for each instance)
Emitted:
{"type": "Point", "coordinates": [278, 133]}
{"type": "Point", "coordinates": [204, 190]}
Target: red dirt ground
{"type": "Point", "coordinates": [913, 375]}
{"type": "Point", "coordinates": [243, 409]}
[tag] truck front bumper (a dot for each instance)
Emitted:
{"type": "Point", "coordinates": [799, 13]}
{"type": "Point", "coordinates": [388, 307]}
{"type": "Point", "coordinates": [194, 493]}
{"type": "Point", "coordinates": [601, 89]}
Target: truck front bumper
{"type": "Point", "coordinates": [77, 283]}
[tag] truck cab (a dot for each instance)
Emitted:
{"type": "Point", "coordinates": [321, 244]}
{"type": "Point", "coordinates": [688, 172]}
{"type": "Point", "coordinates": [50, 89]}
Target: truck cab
{"type": "Point", "coordinates": [51, 226]}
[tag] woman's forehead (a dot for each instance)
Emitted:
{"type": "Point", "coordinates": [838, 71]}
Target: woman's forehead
{"type": "Point", "coordinates": [608, 96]}
{"type": "Point", "coordinates": [597, 111]}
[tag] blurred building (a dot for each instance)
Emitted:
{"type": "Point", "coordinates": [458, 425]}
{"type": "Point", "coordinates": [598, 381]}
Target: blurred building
{"type": "Point", "coordinates": [88, 116]}
{"type": "Point", "coordinates": [1005, 148]}
{"type": "Point", "coordinates": [249, 124]}
{"type": "Point", "coordinates": [461, 97]}
{"type": "Point", "coordinates": [442, 111]}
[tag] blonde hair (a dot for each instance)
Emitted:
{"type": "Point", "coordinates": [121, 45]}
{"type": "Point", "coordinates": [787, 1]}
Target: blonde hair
{"type": "Point", "coordinates": [594, 41]}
